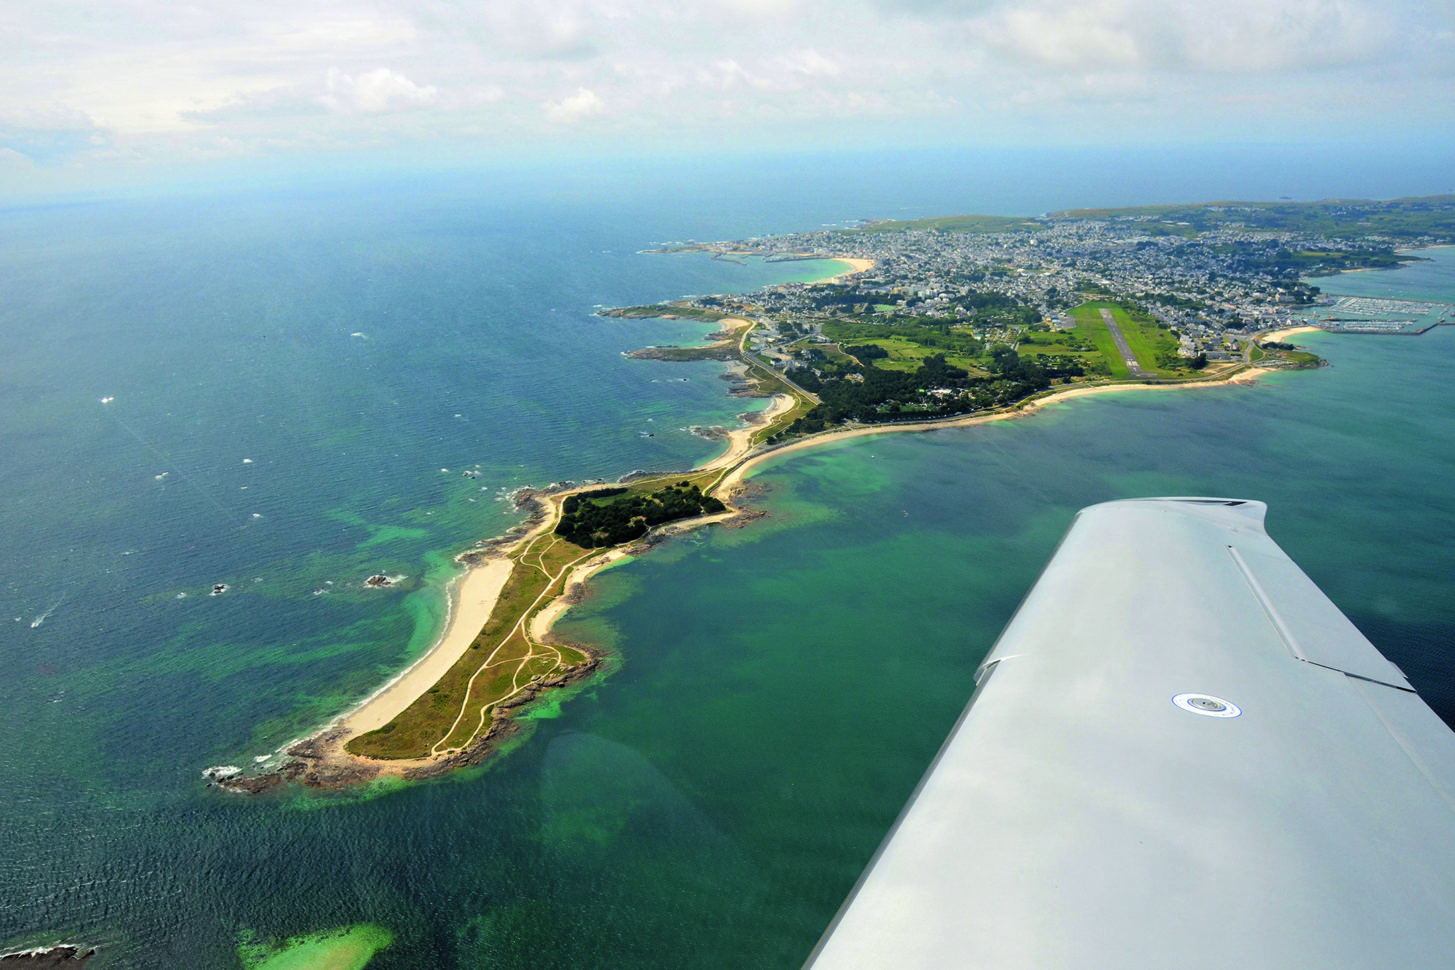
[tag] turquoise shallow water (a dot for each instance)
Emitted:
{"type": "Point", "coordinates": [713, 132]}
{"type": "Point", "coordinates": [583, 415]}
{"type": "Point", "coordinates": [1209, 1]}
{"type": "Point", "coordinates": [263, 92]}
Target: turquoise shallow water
{"type": "Point", "coordinates": [780, 687]}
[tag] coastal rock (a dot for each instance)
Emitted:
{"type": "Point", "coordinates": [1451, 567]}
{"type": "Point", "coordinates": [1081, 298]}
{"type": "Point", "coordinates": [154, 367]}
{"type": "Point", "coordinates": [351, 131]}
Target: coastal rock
{"type": "Point", "coordinates": [64, 956]}
{"type": "Point", "coordinates": [743, 518]}
{"type": "Point", "coordinates": [378, 580]}
{"type": "Point", "coordinates": [320, 762]}
{"type": "Point", "coordinates": [747, 491]}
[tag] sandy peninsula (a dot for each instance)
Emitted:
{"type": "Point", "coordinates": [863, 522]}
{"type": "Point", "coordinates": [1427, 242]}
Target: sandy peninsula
{"type": "Point", "coordinates": [472, 598]}
{"type": "Point", "coordinates": [322, 759]}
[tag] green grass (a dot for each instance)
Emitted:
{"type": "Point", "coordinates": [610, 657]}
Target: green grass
{"type": "Point", "coordinates": [906, 355]}
{"type": "Point", "coordinates": [423, 725]}
{"type": "Point", "coordinates": [950, 341]}
{"type": "Point", "coordinates": [1399, 218]}
{"type": "Point", "coordinates": [1090, 324]}
{"type": "Point", "coordinates": [1075, 344]}
{"type": "Point", "coordinates": [663, 311]}
{"type": "Point", "coordinates": [1146, 340]}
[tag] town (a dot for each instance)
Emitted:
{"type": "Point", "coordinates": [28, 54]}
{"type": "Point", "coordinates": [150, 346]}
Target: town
{"type": "Point", "coordinates": [965, 313]}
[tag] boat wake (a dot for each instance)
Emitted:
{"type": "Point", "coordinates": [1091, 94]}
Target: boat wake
{"type": "Point", "coordinates": [49, 610]}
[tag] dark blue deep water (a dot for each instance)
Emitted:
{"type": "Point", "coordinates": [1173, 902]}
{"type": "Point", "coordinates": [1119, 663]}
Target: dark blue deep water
{"type": "Point", "coordinates": [294, 382]}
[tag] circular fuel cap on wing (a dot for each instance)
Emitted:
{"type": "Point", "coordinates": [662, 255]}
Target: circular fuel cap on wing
{"type": "Point", "coordinates": [1207, 705]}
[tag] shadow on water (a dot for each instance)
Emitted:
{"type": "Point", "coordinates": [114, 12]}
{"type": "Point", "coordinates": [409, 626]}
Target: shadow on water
{"type": "Point", "coordinates": [614, 834]}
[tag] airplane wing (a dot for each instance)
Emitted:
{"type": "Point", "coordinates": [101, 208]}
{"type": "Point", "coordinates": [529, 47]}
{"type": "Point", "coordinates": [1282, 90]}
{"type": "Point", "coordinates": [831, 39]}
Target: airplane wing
{"type": "Point", "coordinates": [1178, 753]}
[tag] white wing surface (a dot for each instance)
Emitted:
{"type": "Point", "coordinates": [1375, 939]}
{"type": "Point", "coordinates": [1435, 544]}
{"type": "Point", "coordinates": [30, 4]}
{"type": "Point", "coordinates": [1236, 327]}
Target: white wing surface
{"type": "Point", "coordinates": [1179, 753]}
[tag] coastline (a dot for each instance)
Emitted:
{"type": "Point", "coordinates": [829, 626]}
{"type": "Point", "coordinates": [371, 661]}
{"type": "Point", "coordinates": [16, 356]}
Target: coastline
{"type": "Point", "coordinates": [1279, 335]}
{"type": "Point", "coordinates": [321, 759]}
{"type": "Point", "coordinates": [472, 597]}
{"type": "Point", "coordinates": [857, 265]}
{"type": "Point", "coordinates": [326, 762]}
{"type": "Point", "coordinates": [733, 480]}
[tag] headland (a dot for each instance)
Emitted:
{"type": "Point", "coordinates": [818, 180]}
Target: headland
{"type": "Point", "coordinates": [932, 325]}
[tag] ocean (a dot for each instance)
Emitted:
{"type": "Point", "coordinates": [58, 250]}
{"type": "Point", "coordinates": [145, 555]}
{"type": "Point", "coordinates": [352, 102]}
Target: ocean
{"type": "Point", "coordinates": [282, 391]}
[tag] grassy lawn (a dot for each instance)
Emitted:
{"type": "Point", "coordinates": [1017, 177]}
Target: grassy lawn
{"type": "Point", "coordinates": [665, 311]}
{"type": "Point", "coordinates": [1146, 340]}
{"type": "Point", "coordinates": [801, 406]}
{"type": "Point", "coordinates": [1076, 344]}
{"type": "Point", "coordinates": [1093, 328]}
{"type": "Point", "coordinates": [906, 355]}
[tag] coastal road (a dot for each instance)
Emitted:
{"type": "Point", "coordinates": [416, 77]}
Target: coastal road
{"type": "Point", "coordinates": [1122, 346]}
{"type": "Point", "coordinates": [748, 355]}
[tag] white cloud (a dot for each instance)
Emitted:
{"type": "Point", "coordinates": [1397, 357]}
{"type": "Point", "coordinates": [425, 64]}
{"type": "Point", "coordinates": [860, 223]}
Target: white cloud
{"type": "Point", "coordinates": [344, 35]}
{"type": "Point", "coordinates": [48, 133]}
{"type": "Point", "coordinates": [811, 63]}
{"type": "Point", "coordinates": [561, 30]}
{"type": "Point", "coordinates": [1233, 36]}
{"type": "Point", "coordinates": [10, 158]}
{"type": "Point", "coordinates": [1079, 37]}
{"type": "Point", "coordinates": [574, 107]}
{"type": "Point", "coordinates": [760, 8]}
{"type": "Point", "coordinates": [157, 79]}
{"type": "Point", "coordinates": [380, 91]}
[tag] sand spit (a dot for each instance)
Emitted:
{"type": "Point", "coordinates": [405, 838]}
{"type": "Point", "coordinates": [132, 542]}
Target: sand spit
{"type": "Point", "coordinates": [472, 598]}
{"type": "Point", "coordinates": [321, 760]}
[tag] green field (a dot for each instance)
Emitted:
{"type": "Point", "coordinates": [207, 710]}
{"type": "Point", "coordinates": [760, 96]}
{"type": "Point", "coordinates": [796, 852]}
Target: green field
{"type": "Point", "coordinates": [666, 311]}
{"type": "Point", "coordinates": [1078, 344]}
{"type": "Point", "coordinates": [1147, 341]}
{"type": "Point", "coordinates": [1407, 218]}
{"type": "Point", "coordinates": [1090, 342]}
{"type": "Point", "coordinates": [907, 355]}
{"type": "Point", "coordinates": [909, 343]}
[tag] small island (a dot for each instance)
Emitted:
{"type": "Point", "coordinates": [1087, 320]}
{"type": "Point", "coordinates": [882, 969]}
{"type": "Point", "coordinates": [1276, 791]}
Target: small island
{"type": "Point", "coordinates": [934, 323]}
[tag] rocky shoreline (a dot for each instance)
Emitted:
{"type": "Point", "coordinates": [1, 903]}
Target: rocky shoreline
{"type": "Point", "coordinates": [63, 956]}
{"type": "Point", "coordinates": [321, 762]}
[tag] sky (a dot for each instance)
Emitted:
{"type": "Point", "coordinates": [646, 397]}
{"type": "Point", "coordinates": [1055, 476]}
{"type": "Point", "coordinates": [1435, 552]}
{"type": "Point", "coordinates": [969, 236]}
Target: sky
{"type": "Point", "coordinates": [120, 89]}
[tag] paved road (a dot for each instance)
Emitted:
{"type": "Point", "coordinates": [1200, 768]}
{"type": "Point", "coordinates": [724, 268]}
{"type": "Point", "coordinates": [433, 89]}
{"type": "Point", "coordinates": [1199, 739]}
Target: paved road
{"type": "Point", "coordinates": [1126, 350]}
{"type": "Point", "coordinates": [782, 375]}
